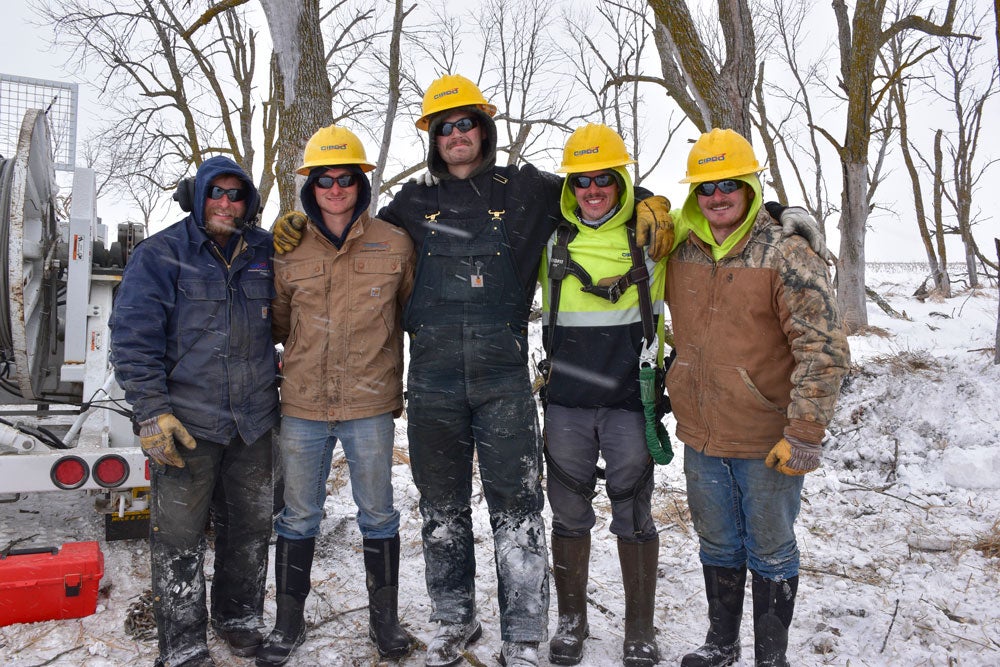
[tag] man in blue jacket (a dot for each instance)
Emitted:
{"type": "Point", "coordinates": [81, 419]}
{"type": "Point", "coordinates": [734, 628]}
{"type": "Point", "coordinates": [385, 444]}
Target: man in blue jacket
{"type": "Point", "coordinates": [191, 346]}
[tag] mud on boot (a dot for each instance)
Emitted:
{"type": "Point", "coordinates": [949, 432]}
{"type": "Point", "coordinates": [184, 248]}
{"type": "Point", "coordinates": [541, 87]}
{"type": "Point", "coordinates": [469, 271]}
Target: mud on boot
{"type": "Point", "coordinates": [773, 605]}
{"type": "Point", "coordinates": [724, 588]}
{"type": "Point", "coordinates": [638, 562]}
{"type": "Point", "coordinates": [570, 571]}
{"type": "Point", "coordinates": [519, 654]}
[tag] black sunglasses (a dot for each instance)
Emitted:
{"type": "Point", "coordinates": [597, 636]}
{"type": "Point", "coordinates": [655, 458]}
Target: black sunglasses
{"type": "Point", "coordinates": [344, 181]}
{"type": "Point", "coordinates": [462, 124]}
{"type": "Point", "coordinates": [601, 180]}
{"type": "Point", "coordinates": [727, 187]}
{"type": "Point", "coordinates": [234, 194]}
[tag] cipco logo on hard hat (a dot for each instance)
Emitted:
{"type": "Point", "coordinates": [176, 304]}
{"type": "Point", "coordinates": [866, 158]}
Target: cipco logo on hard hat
{"type": "Point", "coordinates": [446, 93]}
{"type": "Point", "coordinates": [587, 151]}
{"type": "Point", "coordinates": [721, 157]}
{"type": "Point", "coordinates": [335, 147]}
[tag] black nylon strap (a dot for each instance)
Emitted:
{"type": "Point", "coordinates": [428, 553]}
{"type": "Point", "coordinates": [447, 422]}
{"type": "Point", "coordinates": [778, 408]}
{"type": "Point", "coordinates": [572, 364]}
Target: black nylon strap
{"type": "Point", "coordinates": [586, 489]}
{"type": "Point", "coordinates": [642, 284]}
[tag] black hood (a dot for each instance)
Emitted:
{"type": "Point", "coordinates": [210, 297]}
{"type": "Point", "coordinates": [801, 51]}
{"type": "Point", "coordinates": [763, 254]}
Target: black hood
{"type": "Point", "coordinates": [438, 167]}
{"type": "Point", "coordinates": [308, 195]}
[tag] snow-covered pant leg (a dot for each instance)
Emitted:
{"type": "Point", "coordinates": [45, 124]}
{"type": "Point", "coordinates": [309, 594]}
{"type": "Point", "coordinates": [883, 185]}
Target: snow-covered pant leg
{"type": "Point", "coordinates": [181, 498]}
{"type": "Point", "coordinates": [575, 437]}
{"type": "Point", "coordinates": [242, 508]}
{"type": "Point", "coordinates": [441, 460]}
{"type": "Point", "coordinates": [505, 428]}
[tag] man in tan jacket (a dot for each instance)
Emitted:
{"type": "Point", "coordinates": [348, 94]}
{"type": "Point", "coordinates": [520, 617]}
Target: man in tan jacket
{"type": "Point", "coordinates": [761, 354]}
{"type": "Point", "coordinates": [337, 311]}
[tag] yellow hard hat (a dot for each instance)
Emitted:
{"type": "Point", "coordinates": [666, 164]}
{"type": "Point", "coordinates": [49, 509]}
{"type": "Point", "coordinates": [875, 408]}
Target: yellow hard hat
{"type": "Point", "coordinates": [450, 92]}
{"type": "Point", "coordinates": [333, 146]}
{"type": "Point", "coordinates": [593, 147]}
{"type": "Point", "coordinates": [720, 154]}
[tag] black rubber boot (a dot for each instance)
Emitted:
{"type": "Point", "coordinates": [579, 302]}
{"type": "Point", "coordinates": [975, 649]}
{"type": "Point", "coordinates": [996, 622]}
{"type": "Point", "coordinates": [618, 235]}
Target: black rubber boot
{"type": "Point", "coordinates": [773, 605]}
{"type": "Point", "coordinates": [292, 564]}
{"type": "Point", "coordinates": [724, 588]}
{"type": "Point", "coordinates": [570, 569]}
{"type": "Point", "coordinates": [382, 578]}
{"type": "Point", "coordinates": [638, 562]}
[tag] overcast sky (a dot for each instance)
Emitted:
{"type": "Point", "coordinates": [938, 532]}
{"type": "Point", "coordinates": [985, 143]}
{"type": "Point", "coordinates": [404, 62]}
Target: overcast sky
{"type": "Point", "coordinates": [892, 236]}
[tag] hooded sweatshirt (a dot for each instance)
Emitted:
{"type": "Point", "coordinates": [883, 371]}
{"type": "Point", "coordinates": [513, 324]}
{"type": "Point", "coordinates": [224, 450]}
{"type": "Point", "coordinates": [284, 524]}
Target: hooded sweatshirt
{"type": "Point", "coordinates": [596, 344]}
{"type": "Point", "coordinates": [761, 351]}
{"type": "Point", "coordinates": [190, 327]}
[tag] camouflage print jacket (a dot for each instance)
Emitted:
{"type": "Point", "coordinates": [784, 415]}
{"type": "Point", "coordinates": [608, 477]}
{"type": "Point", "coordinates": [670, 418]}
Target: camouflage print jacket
{"type": "Point", "coordinates": [761, 351]}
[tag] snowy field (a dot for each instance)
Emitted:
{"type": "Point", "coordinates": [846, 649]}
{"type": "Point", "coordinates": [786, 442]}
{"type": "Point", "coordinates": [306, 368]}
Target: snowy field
{"type": "Point", "coordinates": [895, 530]}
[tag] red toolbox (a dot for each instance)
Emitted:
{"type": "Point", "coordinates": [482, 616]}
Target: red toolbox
{"type": "Point", "coordinates": [43, 584]}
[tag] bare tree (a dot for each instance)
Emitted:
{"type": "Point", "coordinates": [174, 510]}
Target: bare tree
{"type": "Point", "coordinates": [861, 37]}
{"type": "Point", "coordinates": [171, 98]}
{"type": "Point", "coordinates": [520, 55]}
{"type": "Point", "coordinates": [710, 96]}
{"type": "Point", "coordinates": [791, 134]}
{"type": "Point", "coordinates": [305, 96]}
{"type": "Point", "coordinates": [968, 86]}
{"type": "Point", "coordinates": [934, 247]}
{"type": "Point", "coordinates": [607, 66]}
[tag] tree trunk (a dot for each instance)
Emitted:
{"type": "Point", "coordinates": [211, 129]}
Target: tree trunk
{"type": "Point", "coordinates": [303, 86]}
{"type": "Point", "coordinates": [851, 268]}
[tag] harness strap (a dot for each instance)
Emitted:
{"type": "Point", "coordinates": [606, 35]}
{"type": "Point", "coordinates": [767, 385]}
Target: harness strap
{"type": "Point", "coordinates": [586, 489]}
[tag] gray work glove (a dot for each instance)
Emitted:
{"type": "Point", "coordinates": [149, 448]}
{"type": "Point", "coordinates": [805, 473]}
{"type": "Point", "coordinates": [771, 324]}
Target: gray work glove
{"type": "Point", "coordinates": [157, 437]}
{"type": "Point", "coordinates": [426, 178]}
{"type": "Point", "coordinates": [792, 456]}
{"type": "Point", "coordinates": [795, 220]}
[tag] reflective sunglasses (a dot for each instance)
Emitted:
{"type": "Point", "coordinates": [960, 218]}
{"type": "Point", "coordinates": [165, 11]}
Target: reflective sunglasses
{"type": "Point", "coordinates": [601, 181]}
{"type": "Point", "coordinates": [344, 181]}
{"type": "Point", "coordinates": [727, 187]}
{"type": "Point", "coordinates": [234, 194]}
{"type": "Point", "coordinates": [463, 125]}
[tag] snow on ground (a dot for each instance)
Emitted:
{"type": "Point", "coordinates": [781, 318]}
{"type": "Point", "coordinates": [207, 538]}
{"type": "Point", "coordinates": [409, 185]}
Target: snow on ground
{"type": "Point", "coordinates": [888, 529]}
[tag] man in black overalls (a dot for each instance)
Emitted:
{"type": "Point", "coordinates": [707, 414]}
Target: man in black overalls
{"type": "Point", "coordinates": [479, 235]}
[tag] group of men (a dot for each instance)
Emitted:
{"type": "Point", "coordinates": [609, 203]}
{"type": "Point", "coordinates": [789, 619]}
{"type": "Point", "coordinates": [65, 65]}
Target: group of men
{"type": "Point", "coordinates": [453, 261]}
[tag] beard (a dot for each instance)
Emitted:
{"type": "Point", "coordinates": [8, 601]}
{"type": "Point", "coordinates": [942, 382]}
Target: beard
{"type": "Point", "coordinates": [219, 228]}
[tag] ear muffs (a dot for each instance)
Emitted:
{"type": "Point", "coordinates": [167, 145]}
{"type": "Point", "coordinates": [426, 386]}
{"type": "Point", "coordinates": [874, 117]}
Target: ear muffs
{"type": "Point", "coordinates": [184, 194]}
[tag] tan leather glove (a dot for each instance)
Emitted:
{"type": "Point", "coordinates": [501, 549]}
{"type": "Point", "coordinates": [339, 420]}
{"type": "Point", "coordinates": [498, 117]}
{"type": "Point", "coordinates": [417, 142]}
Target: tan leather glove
{"type": "Point", "coordinates": [654, 226]}
{"type": "Point", "coordinates": [796, 220]}
{"type": "Point", "coordinates": [157, 437]}
{"type": "Point", "coordinates": [287, 231]}
{"type": "Point", "coordinates": [792, 456]}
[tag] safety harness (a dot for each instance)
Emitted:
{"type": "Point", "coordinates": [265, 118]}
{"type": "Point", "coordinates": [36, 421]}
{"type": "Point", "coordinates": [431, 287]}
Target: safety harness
{"type": "Point", "coordinates": [651, 374]}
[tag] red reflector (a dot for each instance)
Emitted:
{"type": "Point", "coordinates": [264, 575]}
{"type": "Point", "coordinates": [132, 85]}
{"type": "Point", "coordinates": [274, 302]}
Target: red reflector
{"type": "Point", "coordinates": [69, 472]}
{"type": "Point", "coordinates": [110, 471]}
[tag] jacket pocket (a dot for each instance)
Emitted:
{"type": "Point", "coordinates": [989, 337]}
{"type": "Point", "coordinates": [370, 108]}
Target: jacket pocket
{"type": "Point", "coordinates": [739, 411]}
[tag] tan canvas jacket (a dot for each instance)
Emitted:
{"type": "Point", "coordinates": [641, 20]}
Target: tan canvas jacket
{"type": "Point", "coordinates": [338, 313]}
{"type": "Point", "coordinates": [761, 351]}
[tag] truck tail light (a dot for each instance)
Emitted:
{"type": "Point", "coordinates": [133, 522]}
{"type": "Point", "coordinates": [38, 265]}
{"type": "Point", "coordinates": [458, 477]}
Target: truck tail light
{"type": "Point", "coordinates": [111, 471]}
{"type": "Point", "coordinates": [69, 472]}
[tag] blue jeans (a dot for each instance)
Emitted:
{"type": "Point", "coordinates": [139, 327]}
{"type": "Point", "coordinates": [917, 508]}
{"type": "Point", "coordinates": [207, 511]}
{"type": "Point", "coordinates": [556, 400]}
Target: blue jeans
{"type": "Point", "coordinates": [744, 513]}
{"type": "Point", "coordinates": [306, 451]}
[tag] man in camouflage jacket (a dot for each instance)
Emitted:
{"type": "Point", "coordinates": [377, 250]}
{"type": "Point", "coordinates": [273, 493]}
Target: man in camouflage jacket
{"type": "Point", "coordinates": [761, 354]}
